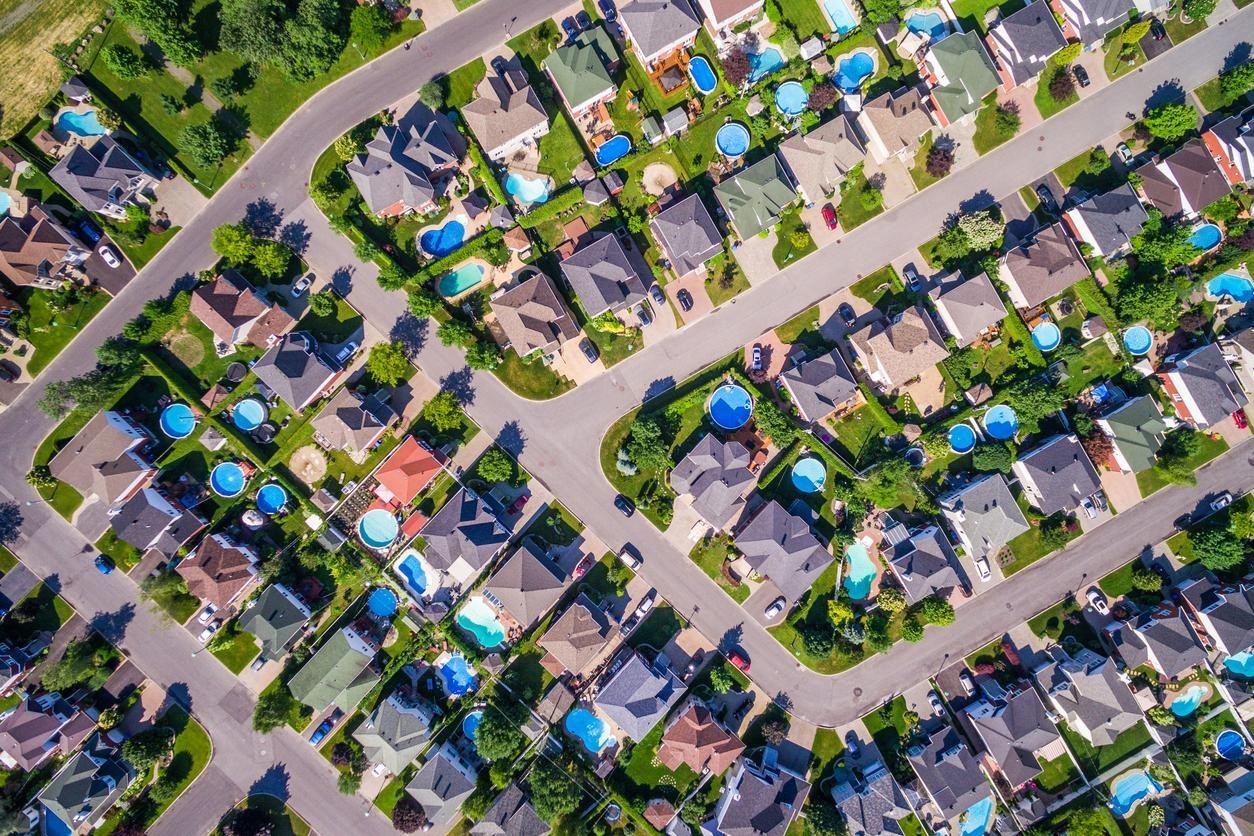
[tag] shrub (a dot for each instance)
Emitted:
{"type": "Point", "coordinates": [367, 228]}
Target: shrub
{"type": "Point", "coordinates": [1007, 120]}
{"type": "Point", "coordinates": [1061, 85]}
{"type": "Point", "coordinates": [736, 66]}
{"type": "Point", "coordinates": [408, 815]}
{"type": "Point", "coordinates": [939, 161]}
{"type": "Point", "coordinates": [822, 96]}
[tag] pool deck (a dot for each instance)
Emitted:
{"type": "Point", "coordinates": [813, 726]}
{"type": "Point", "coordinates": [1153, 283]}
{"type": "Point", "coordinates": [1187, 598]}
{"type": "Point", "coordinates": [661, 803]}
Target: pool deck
{"type": "Point", "coordinates": [1170, 697]}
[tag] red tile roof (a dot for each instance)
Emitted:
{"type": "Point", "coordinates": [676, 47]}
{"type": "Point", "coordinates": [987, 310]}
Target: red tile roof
{"type": "Point", "coordinates": [408, 470]}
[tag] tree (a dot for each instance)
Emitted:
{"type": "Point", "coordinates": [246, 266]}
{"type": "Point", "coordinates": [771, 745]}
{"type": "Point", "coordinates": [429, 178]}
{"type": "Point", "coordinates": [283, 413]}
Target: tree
{"type": "Point", "coordinates": [736, 67]}
{"type": "Point", "coordinates": [1146, 579]}
{"type": "Point", "coordinates": [937, 611]}
{"type": "Point", "coordinates": [1087, 821]}
{"type": "Point", "coordinates": [720, 680]}
{"type": "Point", "coordinates": [774, 732]}
{"type": "Point", "coordinates": [1198, 10]}
{"type": "Point", "coordinates": [911, 629]}
{"type": "Point", "coordinates": [432, 95]}
{"type": "Point", "coordinates": [495, 467]}
{"type": "Point", "coordinates": [881, 11]}
{"type": "Point", "coordinates": [323, 303]}
{"type": "Point", "coordinates": [408, 815]}
{"type": "Point", "coordinates": [126, 63]}
{"type": "Point", "coordinates": [647, 445]}
{"type": "Point", "coordinates": [822, 96]}
{"type": "Point", "coordinates": [165, 23]}
{"type": "Point", "coordinates": [346, 147]}
{"type": "Point", "coordinates": [1099, 447]}
{"type": "Point", "coordinates": [940, 159]}
{"type": "Point", "coordinates": [1155, 816]}
{"type": "Point", "coordinates": [1164, 244]}
{"type": "Point", "coordinates": [89, 392]}
{"type": "Point", "coordinates": [1153, 299]}
{"type": "Point", "coordinates": [1033, 402]}
{"type": "Point", "coordinates": [206, 143]}
{"type": "Point", "coordinates": [369, 25]}
{"type": "Point", "coordinates": [484, 355]}
{"type": "Point", "coordinates": [366, 250]}
{"type": "Point", "coordinates": [1133, 32]}
{"type": "Point", "coordinates": [1098, 164]}
{"type": "Point", "coordinates": [498, 737]}
{"type": "Point", "coordinates": [456, 333]}
{"type": "Point", "coordinates": [983, 231]}
{"type": "Point", "coordinates": [423, 302]}
{"type": "Point", "coordinates": [443, 412]}
{"type": "Point", "coordinates": [823, 819]}
{"type": "Point", "coordinates": [839, 611]}
{"type": "Point", "coordinates": [1053, 533]}
{"type": "Point", "coordinates": [251, 821]}
{"type": "Point", "coordinates": [146, 749]}
{"type": "Point", "coordinates": [553, 793]}
{"type": "Point", "coordinates": [271, 258]}
{"type": "Point", "coordinates": [1241, 524]}
{"type": "Point", "coordinates": [1007, 120]}
{"type": "Point", "coordinates": [274, 706]}
{"type": "Point", "coordinates": [234, 243]}
{"type": "Point", "coordinates": [1176, 455]}
{"type": "Point", "coordinates": [348, 783]}
{"type": "Point", "coordinates": [891, 599]}
{"type": "Point", "coordinates": [774, 424]}
{"type": "Point", "coordinates": [388, 364]}
{"type": "Point", "coordinates": [818, 640]}
{"type": "Point", "coordinates": [1217, 548]}
{"type": "Point", "coordinates": [40, 476]}
{"type": "Point", "coordinates": [1236, 81]}
{"type": "Point", "coordinates": [993, 458]}
{"type": "Point", "coordinates": [1061, 84]}
{"type": "Point", "coordinates": [1160, 716]}
{"type": "Point", "coordinates": [390, 276]}
{"type": "Point", "coordinates": [1171, 121]}
{"type": "Point", "coordinates": [75, 667]}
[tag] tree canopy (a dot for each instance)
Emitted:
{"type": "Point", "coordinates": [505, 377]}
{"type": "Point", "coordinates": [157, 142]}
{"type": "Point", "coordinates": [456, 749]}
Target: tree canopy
{"type": "Point", "coordinates": [388, 364]}
{"type": "Point", "coordinates": [1171, 121]}
{"type": "Point", "coordinates": [553, 793]}
{"type": "Point", "coordinates": [443, 411]}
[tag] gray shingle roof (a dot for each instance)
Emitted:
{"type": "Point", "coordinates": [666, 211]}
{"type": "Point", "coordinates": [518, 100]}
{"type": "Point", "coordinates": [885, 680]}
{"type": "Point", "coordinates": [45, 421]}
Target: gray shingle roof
{"type": "Point", "coordinates": [1087, 688]}
{"type": "Point", "coordinates": [441, 785]}
{"type": "Point", "coordinates": [949, 773]}
{"type": "Point", "coordinates": [100, 175]}
{"type": "Point", "coordinates": [87, 786]}
{"type": "Point", "coordinates": [511, 814]}
{"type": "Point", "coordinates": [104, 458]}
{"type": "Point", "coordinates": [351, 422]}
{"type": "Point", "coordinates": [603, 276]}
{"type": "Point", "coordinates": [782, 547]}
{"type": "Point", "coordinates": [386, 176]}
{"type": "Point", "coordinates": [1211, 384]}
{"type": "Point", "coordinates": [925, 565]}
{"type": "Point", "coordinates": [528, 584]}
{"type": "Point", "coordinates": [877, 804]}
{"type": "Point", "coordinates": [820, 159]}
{"type": "Point", "coordinates": [507, 108]}
{"type": "Point", "coordinates": [653, 25]}
{"type": "Point", "coordinates": [579, 634]}
{"type": "Point", "coordinates": [275, 618]}
{"type": "Point", "coordinates": [1109, 221]}
{"type": "Point", "coordinates": [1159, 638]}
{"type": "Point", "coordinates": [968, 306]}
{"type": "Point", "coordinates": [637, 696]}
{"type": "Point", "coordinates": [295, 370]}
{"type": "Point", "coordinates": [150, 521]}
{"type": "Point", "coordinates": [533, 316]}
{"type": "Point", "coordinates": [687, 234]}
{"type": "Point", "coordinates": [1061, 472]}
{"type": "Point", "coordinates": [985, 514]}
{"type": "Point", "coordinates": [820, 385]}
{"type": "Point", "coordinates": [716, 474]}
{"type": "Point", "coordinates": [464, 529]}
{"type": "Point", "coordinates": [1013, 730]}
{"type": "Point", "coordinates": [1226, 612]}
{"type": "Point", "coordinates": [1092, 19]}
{"type": "Point", "coordinates": [396, 731]}
{"type": "Point", "coordinates": [1026, 39]}
{"type": "Point", "coordinates": [764, 803]}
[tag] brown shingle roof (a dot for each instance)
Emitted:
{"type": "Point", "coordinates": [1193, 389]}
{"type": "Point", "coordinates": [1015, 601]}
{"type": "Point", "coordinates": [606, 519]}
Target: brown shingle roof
{"type": "Point", "coordinates": [695, 739]}
{"type": "Point", "coordinates": [218, 570]}
{"type": "Point", "coordinates": [32, 248]}
{"type": "Point", "coordinates": [578, 635]}
{"type": "Point", "coordinates": [901, 350]}
{"type": "Point", "coordinates": [533, 316]}
{"type": "Point", "coordinates": [103, 459]}
{"type": "Point", "coordinates": [1044, 267]}
{"type": "Point", "coordinates": [225, 304]}
{"type": "Point", "coordinates": [350, 423]}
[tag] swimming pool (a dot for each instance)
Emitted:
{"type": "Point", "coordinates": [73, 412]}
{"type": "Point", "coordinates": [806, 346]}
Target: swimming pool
{"type": "Point", "coordinates": [1188, 701]}
{"type": "Point", "coordinates": [5, 203]}
{"type": "Point", "coordinates": [791, 98]}
{"type": "Point", "coordinates": [732, 139]}
{"type": "Point", "coordinates": [860, 573]}
{"type": "Point", "coordinates": [413, 572]}
{"type": "Point", "coordinates": [929, 23]}
{"type": "Point", "coordinates": [527, 189]}
{"type": "Point", "coordinates": [470, 724]}
{"type": "Point", "coordinates": [382, 603]}
{"type": "Point", "coordinates": [1242, 664]}
{"type": "Point", "coordinates": [762, 64]}
{"type": "Point", "coordinates": [702, 75]}
{"type": "Point", "coordinates": [961, 438]}
{"type": "Point", "coordinates": [1238, 288]}
{"type": "Point", "coordinates": [840, 15]}
{"type": "Point", "coordinates": [82, 124]}
{"type": "Point", "coordinates": [248, 414]}
{"type": "Point", "coordinates": [481, 621]}
{"type": "Point", "coordinates": [177, 420]}
{"type": "Point", "coordinates": [854, 69]}
{"type": "Point", "coordinates": [808, 475]}
{"type": "Point", "coordinates": [730, 406]}
{"type": "Point", "coordinates": [457, 676]}
{"type": "Point", "coordinates": [443, 240]}
{"type": "Point", "coordinates": [1130, 789]}
{"type": "Point", "coordinates": [377, 528]}
{"type": "Point", "coordinates": [271, 498]}
{"type": "Point", "coordinates": [589, 728]}
{"type": "Point", "coordinates": [1230, 745]}
{"type": "Point", "coordinates": [1046, 336]}
{"type": "Point", "coordinates": [1138, 340]}
{"type": "Point", "coordinates": [227, 479]}
{"type": "Point", "coordinates": [974, 820]}
{"type": "Point", "coordinates": [1001, 422]}
{"type": "Point", "coordinates": [1206, 237]}
{"type": "Point", "coordinates": [460, 280]}
{"type": "Point", "coordinates": [613, 150]}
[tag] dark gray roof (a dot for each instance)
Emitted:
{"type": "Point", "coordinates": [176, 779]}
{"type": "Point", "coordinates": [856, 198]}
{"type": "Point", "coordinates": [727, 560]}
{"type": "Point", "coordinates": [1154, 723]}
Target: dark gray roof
{"type": "Point", "coordinates": [687, 234]}
{"type": "Point", "coordinates": [603, 276]}
{"type": "Point", "coordinates": [1184, 182]}
{"type": "Point", "coordinates": [466, 529]}
{"type": "Point", "coordinates": [1026, 39]}
{"type": "Point", "coordinates": [637, 696]}
{"type": "Point", "coordinates": [782, 547]}
{"type": "Point", "coordinates": [150, 521]}
{"type": "Point", "coordinates": [1159, 638]}
{"type": "Point", "coordinates": [396, 731]}
{"type": "Point", "coordinates": [295, 370]}
{"type": "Point", "coordinates": [528, 584]}
{"type": "Point", "coordinates": [1088, 689]}
{"type": "Point", "coordinates": [764, 803]}
{"type": "Point", "coordinates": [925, 565]}
{"type": "Point", "coordinates": [717, 475]}
{"type": "Point", "coordinates": [1225, 610]}
{"type": "Point", "coordinates": [1210, 382]}
{"type": "Point", "coordinates": [949, 773]}
{"type": "Point", "coordinates": [441, 785]}
{"type": "Point", "coordinates": [1061, 472]}
{"type": "Point", "coordinates": [433, 140]}
{"type": "Point", "coordinates": [877, 804]}
{"type": "Point", "coordinates": [1111, 219]}
{"type": "Point", "coordinates": [653, 25]}
{"type": "Point", "coordinates": [75, 88]}
{"type": "Point", "coordinates": [1013, 730]}
{"type": "Point", "coordinates": [968, 306]}
{"type": "Point", "coordinates": [533, 315]}
{"type": "Point", "coordinates": [99, 175]}
{"type": "Point", "coordinates": [1092, 19]}
{"type": "Point", "coordinates": [386, 176]}
{"type": "Point", "coordinates": [87, 786]}
{"type": "Point", "coordinates": [511, 814]}
{"type": "Point", "coordinates": [275, 618]}
{"type": "Point", "coordinates": [818, 386]}
{"type": "Point", "coordinates": [985, 514]}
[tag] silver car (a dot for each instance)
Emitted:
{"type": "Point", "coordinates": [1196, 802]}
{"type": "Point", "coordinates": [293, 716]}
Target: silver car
{"type": "Point", "coordinates": [776, 607]}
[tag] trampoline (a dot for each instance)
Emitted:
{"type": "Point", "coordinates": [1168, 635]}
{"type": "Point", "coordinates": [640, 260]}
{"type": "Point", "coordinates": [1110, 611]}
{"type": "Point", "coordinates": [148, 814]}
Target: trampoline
{"type": "Point", "coordinates": [177, 420]}
{"type": "Point", "coordinates": [961, 438]}
{"type": "Point", "coordinates": [1001, 422]}
{"type": "Point", "coordinates": [236, 372]}
{"type": "Point", "coordinates": [1230, 745]}
{"type": "Point", "coordinates": [808, 475]}
{"type": "Point", "coordinates": [227, 480]}
{"type": "Point", "coordinates": [1138, 340]}
{"type": "Point", "coordinates": [730, 407]}
{"type": "Point", "coordinates": [248, 414]}
{"type": "Point", "coordinates": [377, 528]}
{"type": "Point", "coordinates": [1046, 336]}
{"type": "Point", "coordinates": [382, 603]}
{"type": "Point", "coordinates": [271, 498]}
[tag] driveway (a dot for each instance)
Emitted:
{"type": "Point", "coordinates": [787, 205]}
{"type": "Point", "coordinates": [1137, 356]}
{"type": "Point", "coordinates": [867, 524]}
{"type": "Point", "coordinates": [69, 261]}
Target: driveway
{"type": "Point", "coordinates": [754, 257]}
{"type": "Point", "coordinates": [112, 279]}
{"type": "Point", "coordinates": [1094, 63]}
{"type": "Point", "coordinates": [571, 363]}
{"type": "Point", "coordinates": [898, 184]}
{"type": "Point", "coordinates": [16, 585]}
{"type": "Point", "coordinates": [831, 326]}
{"type": "Point", "coordinates": [812, 216]}
{"type": "Point", "coordinates": [1122, 491]}
{"type": "Point", "coordinates": [1021, 223]}
{"type": "Point", "coordinates": [180, 200]}
{"type": "Point", "coordinates": [1153, 48]}
{"type": "Point", "coordinates": [683, 523]}
{"type": "Point", "coordinates": [774, 354]}
{"type": "Point", "coordinates": [1025, 97]}
{"type": "Point", "coordinates": [694, 283]}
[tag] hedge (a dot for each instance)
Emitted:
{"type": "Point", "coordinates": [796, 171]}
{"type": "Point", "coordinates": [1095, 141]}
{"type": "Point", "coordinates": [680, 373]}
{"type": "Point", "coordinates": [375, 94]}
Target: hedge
{"type": "Point", "coordinates": [491, 238]}
{"type": "Point", "coordinates": [484, 169]}
{"type": "Point", "coordinates": [890, 424]}
{"type": "Point", "coordinates": [1019, 332]}
{"type": "Point", "coordinates": [564, 200]}
{"type": "Point", "coordinates": [1095, 299]}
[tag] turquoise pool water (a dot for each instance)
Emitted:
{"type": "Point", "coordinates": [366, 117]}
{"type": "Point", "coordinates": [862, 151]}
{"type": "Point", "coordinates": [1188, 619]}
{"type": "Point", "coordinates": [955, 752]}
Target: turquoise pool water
{"type": "Point", "coordinates": [1001, 422]}
{"type": "Point", "coordinates": [248, 414]}
{"type": "Point", "coordinates": [1046, 336]}
{"type": "Point", "coordinates": [177, 420]}
{"type": "Point", "coordinates": [790, 98]}
{"type": "Point", "coordinates": [1206, 237]}
{"type": "Point", "coordinates": [930, 23]}
{"type": "Point", "coordinates": [1187, 703]}
{"type": "Point", "coordinates": [1239, 288]}
{"type": "Point", "coordinates": [853, 70]}
{"type": "Point", "coordinates": [5, 203]}
{"type": "Point", "coordinates": [860, 573]}
{"type": "Point", "coordinates": [227, 479]}
{"type": "Point", "coordinates": [460, 280]}
{"type": "Point", "coordinates": [1242, 664]}
{"type": "Point", "coordinates": [961, 438]}
{"type": "Point", "coordinates": [702, 75]}
{"type": "Point", "coordinates": [1138, 340]}
{"type": "Point", "coordinates": [613, 150]}
{"type": "Point", "coordinates": [732, 139]}
{"type": "Point", "coordinates": [762, 64]}
{"type": "Point", "coordinates": [730, 407]}
{"type": "Point", "coordinates": [974, 821]}
{"type": "Point", "coordinates": [808, 475]}
{"type": "Point", "coordinates": [1130, 789]}
{"type": "Point", "coordinates": [271, 498]}
{"type": "Point", "coordinates": [480, 621]}
{"type": "Point", "coordinates": [589, 728]}
{"type": "Point", "coordinates": [414, 572]}
{"type": "Point", "coordinates": [443, 240]}
{"type": "Point", "coordinates": [378, 528]}
{"type": "Point", "coordinates": [457, 676]}
{"type": "Point", "coordinates": [527, 189]}
{"type": "Point", "coordinates": [841, 16]}
{"type": "Point", "coordinates": [82, 124]}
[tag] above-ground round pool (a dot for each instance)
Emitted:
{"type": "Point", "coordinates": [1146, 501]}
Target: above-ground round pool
{"type": "Point", "coordinates": [470, 724]}
{"type": "Point", "coordinates": [730, 406]}
{"type": "Point", "coordinates": [227, 479]}
{"type": "Point", "coordinates": [732, 140]}
{"type": "Point", "coordinates": [1001, 422]}
{"type": "Point", "coordinates": [612, 150]}
{"type": "Point", "coordinates": [854, 69]}
{"type": "Point", "coordinates": [762, 64]}
{"type": "Point", "coordinates": [1130, 789]}
{"type": "Point", "coordinates": [1234, 286]}
{"type": "Point", "coordinates": [1188, 700]}
{"type": "Point", "coordinates": [808, 475]}
{"type": "Point", "coordinates": [271, 498]}
{"type": "Point", "coordinates": [457, 676]}
{"type": "Point", "coordinates": [177, 420]}
{"type": "Point", "coordinates": [1046, 336]}
{"type": "Point", "coordinates": [443, 240]}
{"type": "Point", "coordinates": [974, 820]}
{"type": "Point", "coordinates": [1241, 664]}
{"type": "Point", "coordinates": [1206, 237]}
{"type": "Point", "coordinates": [460, 280]}
{"type": "Point", "coordinates": [589, 728]}
{"type": "Point", "coordinates": [481, 621]}
{"type": "Point", "coordinates": [382, 602]}
{"type": "Point", "coordinates": [527, 189]}
{"type": "Point", "coordinates": [1138, 340]}
{"type": "Point", "coordinates": [1230, 745]}
{"type": "Point", "coordinates": [81, 124]}
{"type": "Point", "coordinates": [249, 414]}
{"type": "Point", "coordinates": [961, 438]}
{"type": "Point", "coordinates": [860, 571]}
{"type": "Point", "coordinates": [702, 75]}
{"type": "Point", "coordinates": [790, 98]}
{"type": "Point", "coordinates": [377, 528]}
{"type": "Point", "coordinates": [927, 22]}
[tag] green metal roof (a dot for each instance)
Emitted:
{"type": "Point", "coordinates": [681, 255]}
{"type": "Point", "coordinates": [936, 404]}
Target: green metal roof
{"type": "Point", "coordinates": [1138, 429]}
{"type": "Point", "coordinates": [580, 68]}
{"type": "Point", "coordinates": [969, 72]}
{"type": "Point", "coordinates": [755, 197]}
{"type": "Point", "coordinates": [338, 673]}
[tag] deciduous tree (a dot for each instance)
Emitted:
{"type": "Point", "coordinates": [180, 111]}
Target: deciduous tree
{"type": "Point", "coordinates": [1171, 121]}
{"type": "Point", "coordinates": [388, 364]}
{"type": "Point", "coordinates": [553, 793]}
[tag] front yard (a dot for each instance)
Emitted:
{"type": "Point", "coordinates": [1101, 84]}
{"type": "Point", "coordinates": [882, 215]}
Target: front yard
{"type": "Point", "coordinates": [712, 554]}
{"type": "Point", "coordinates": [53, 325]}
{"type": "Point", "coordinates": [1155, 479]}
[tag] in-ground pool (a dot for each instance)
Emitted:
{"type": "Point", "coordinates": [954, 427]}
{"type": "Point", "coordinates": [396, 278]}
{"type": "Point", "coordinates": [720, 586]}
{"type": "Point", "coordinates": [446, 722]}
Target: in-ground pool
{"type": "Point", "coordinates": [82, 124]}
{"type": "Point", "coordinates": [227, 479]}
{"type": "Point", "coordinates": [854, 69]}
{"type": "Point", "coordinates": [790, 98]}
{"type": "Point", "coordinates": [1242, 664]}
{"type": "Point", "coordinates": [808, 474]}
{"type": "Point", "coordinates": [732, 139]}
{"type": "Point", "coordinates": [762, 64]}
{"type": "Point", "coordinates": [1188, 701]}
{"type": "Point", "coordinates": [248, 414]}
{"type": "Point", "coordinates": [1206, 237]}
{"type": "Point", "coordinates": [613, 150]}
{"type": "Point", "coordinates": [457, 676]}
{"type": "Point", "coordinates": [1238, 288]}
{"type": "Point", "coordinates": [527, 189]}
{"type": "Point", "coordinates": [470, 724]}
{"type": "Point", "coordinates": [382, 602]}
{"type": "Point", "coordinates": [480, 620]}
{"type": "Point", "coordinates": [702, 74]}
{"type": "Point", "coordinates": [1046, 336]}
{"type": "Point", "coordinates": [5, 203]}
{"type": "Point", "coordinates": [413, 571]}
{"type": "Point", "coordinates": [589, 728]}
{"type": "Point", "coordinates": [460, 280]}
{"type": "Point", "coordinates": [177, 420]}
{"type": "Point", "coordinates": [378, 528]}
{"type": "Point", "coordinates": [931, 23]}
{"type": "Point", "coordinates": [841, 16]}
{"type": "Point", "coordinates": [443, 240]}
{"type": "Point", "coordinates": [974, 820]}
{"type": "Point", "coordinates": [271, 498]}
{"type": "Point", "coordinates": [730, 406]}
{"type": "Point", "coordinates": [961, 438]}
{"type": "Point", "coordinates": [1130, 789]}
{"type": "Point", "coordinates": [1001, 422]}
{"type": "Point", "coordinates": [1138, 340]}
{"type": "Point", "coordinates": [1230, 745]}
{"type": "Point", "coordinates": [860, 571]}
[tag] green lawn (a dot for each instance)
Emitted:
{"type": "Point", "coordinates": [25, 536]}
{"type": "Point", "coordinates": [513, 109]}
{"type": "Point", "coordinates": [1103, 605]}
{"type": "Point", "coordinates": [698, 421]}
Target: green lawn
{"type": "Point", "coordinates": [283, 821]}
{"type": "Point", "coordinates": [1153, 480]}
{"type": "Point", "coordinates": [1114, 65]}
{"type": "Point", "coordinates": [389, 795]}
{"type": "Point", "coordinates": [788, 632]}
{"type": "Point", "coordinates": [793, 241]}
{"type": "Point", "coordinates": [710, 554]}
{"type": "Point", "coordinates": [461, 83]}
{"type": "Point", "coordinates": [857, 435]}
{"type": "Point", "coordinates": [824, 751]}
{"type": "Point", "coordinates": [1076, 172]}
{"type": "Point", "coordinates": [1097, 759]}
{"type": "Point", "coordinates": [615, 348]}
{"type": "Point", "coordinates": [725, 279]}
{"type": "Point", "coordinates": [531, 378]}
{"type": "Point", "coordinates": [336, 328]}
{"type": "Point", "coordinates": [889, 731]}
{"type": "Point", "coordinates": [853, 210]}
{"type": "Point", "coordinates": [561, 149]}
{"type": "Point", "coordinates": [642, 777]}
{"type": "Point", "coordinates": [658, 627]}
{"type": "Point", "coordinates": [803, 17]}
{"type": "Point", "coordinates": [1119, 582]}
{"type": "Point", "coordinates": [50, 330]}
{"type": "Point", "coordinates": [7, 560]}
{"type": "Point", "coordinates": [973, 12]}
{"type": "Point", "coordinates": [1180, 32]}
{"type": "Point", "coordinates": [805, 322]}
{"type": "Point", "coordinates": [189, 347]}
{"type": "Point", "coordinates": [1181, 546]}
{"type": "Point", "coordinates": [234, 647]}
{"type": "Point", "coordinates": [1045, 102]}
{"type": "Point", "coordinates": [919, 173]}
{"type": "Point", "coordinates": [47, 610]}
{"type": "Point", "coordinates": [883, 289]}
{"type": "Point", "coordinates": [123, 554]}
{"type": "Point", "coordinates": [1057, 774]}
{"type": "Point", "coordinates": [1028, 548]}
{"type": "Point", "coordinates": [987, 135]}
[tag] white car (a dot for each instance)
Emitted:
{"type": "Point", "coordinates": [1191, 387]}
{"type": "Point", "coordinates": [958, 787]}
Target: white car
{"type": "Point", "coordinates": [938, 707]}
{"type": "Point", "coordinates": [755, 363]}
{"type": "Point", "coordinates": [207, 633]}
{"type": "Point", "coordinates": [981, 566]}
{"type": "Point", "coordinates": [968, 682]}
{"type": "Point", "coordinates": [1089, 510]}
{"type": "Point", "coordinates": [776, 607]}
{"type": "Point", "coordinates": [629, 559]}
{"type": "Point", "coordinates": [1221, 502]}
{"type": "Point", "coordinates": [109, 256]}
{"type": "Point", "coordinates": [1098, 600]}
{"type": "Point", "coordinates": [345, 354]}
{"type": "Point", "coordinates": [206, 614]}
{"type": "Point", "coordinates": [301, 285]}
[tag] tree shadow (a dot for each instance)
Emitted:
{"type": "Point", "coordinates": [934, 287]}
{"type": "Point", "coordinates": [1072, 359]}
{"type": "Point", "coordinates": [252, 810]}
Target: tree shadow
{"type": "Point", "coordinates": [511, 438]}
{"type": "Point", "coordinates": [53, 583]}
{"type": "Point", "coordinates": [460, 384]}
{"type": "Point", "coordinates": [112, 625]}
{"type": "Point", "coordinates": [273, 782]}
{"type": "Point", "coordinates": [11, 520]}
{"type": "Point", "coordinates": [1239, 57]}
{"type": "Point", "coordinates": [1168, 91]}
{"type": "Point", "coordinates": [342, 280]}
{"type": "Point", "coordinates": [659, 386]}
{"type": "Point", "coordinates": [982, 199]}
{"type": "Point", "coordinates": [731, 638]}
{"type": "Point", "coordinates": [262, 217]}
{"type": "Point", "coordinates": [295, 235]}
{"type": "Point", "coordinates": [411, 332]}
{"type": "Point", "coordinates": [179, 694]}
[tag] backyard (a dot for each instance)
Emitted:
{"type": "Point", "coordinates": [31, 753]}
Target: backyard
{"type": "Point", "coordinates": [1095, 760]}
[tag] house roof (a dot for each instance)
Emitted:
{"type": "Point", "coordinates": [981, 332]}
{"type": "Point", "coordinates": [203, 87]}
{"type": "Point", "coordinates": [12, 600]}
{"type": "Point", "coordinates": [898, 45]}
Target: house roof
{"type": "Point", "coordinates": [103, 458]}
{"type": "Point", "coordinates": [638, 695]}
{"type": "Point", "coordinates": [409, 469]}
{"type": "Point", "coordinates": [901, 349]}
{"type": "Point", "coordinates": [694, 738]}
{"type": "Point", "coordinates": [98, 175]}
{"type": "Point", "coordinates": [464, 529]}
{"type": "Point", "coordinates": [603, 276]}
{"type": "Point", "coordinates": [149, 520]}
{"type": "Point", "coordinates": [949, 773]}
{"type": "Point", "coordinates": [1092, 19]}
{"type": "Point", "coordinates": [1210, 382]}
{"type": "Point", "coordinates": [764, 803]}
{"type": "Point", "coordinates": [782, 547]}
{"type": "Point", "coordinates": [986, 513]}
{"type": "Point", "coordinates": [1184, 182]}
{"type": "Point", "coordinates": [898, 119]}
{"type": "Point", "coordinates": [579, 634]}
{"type": "Point", "coordinates": [755, 197]}
{"type": "Point", "coordinates": [1026, 38]}
{"type": "Point", "coordinates": [687, 234]}
{"type": "Point", "coordinates": [969, 74]}
{"type": "Point", "coordinates": [1226, 611]}
{"type": "Point", "coordinates": [1013, 730]}
{"type": "Point", "coordinates": [294, 370]}
{"type": "Point", "coordinates": [218, 570]}
{"type": "Point", "coordinates": [396, 731]}
{"type": "Point", "coordinates": [1137, 429]}
{"type": "Point", "coordinates": [386, 176]}
{"type": "Point", "coordinates": [339, 673]}
{"type": "Point", "coordinates": [877, 804]}
{"type": "Point", "coordinates": [716, 474]}
{"type": "Point", "coordinates": [968, 305]}
{"type": "Point", "coordinates": [727, 9]}
{"type": "Point", "coordinates": [38, 728]}
{"type": "Point", "coordinates": [1062, 473]}
{"type": "Point", "coordinates": [528, 584]}
{"type": "Point", "coordinates": [580, 69]}
{"type": "Point", "coordinates": [441, 785]}
{"type": "Point", "coordinates": [1111, 219]}
{"type": "Point", "coordinates": [820, 159]}
{"type": "Point", "coordinates": [533, 316]}
{"type": "Point", "coordinates": [33, 247]}
{"type": "Point", "coordinates": [88, 785]}
{"type": "Point", "coordinates": [819, 385]}
{"type": "Point", "coordinates": [75, 88]}
{"type": "Point", "coordinates": [351, 422]}
{"type": "Point", "coordinates": [226, 304]}
{"type": "Point", "coordinates": [1233, 139]}
{"type": "Point", "coordinates": [1046, 265]}
{"type": "Point", "coordinates": [1088, 688]}
{"type": "Point", "coordinates": [1159, 638]}
{"type": "Point", "coordinates": [507, 107]}
{"type": "Point", "coordinates": [511, 814]}
{"type": "Point", "coordinates": [275, 618]}
{"type": "Point", "coordinates": [654, 25]}
{"type": "Point", "coordinates": [925, 563]}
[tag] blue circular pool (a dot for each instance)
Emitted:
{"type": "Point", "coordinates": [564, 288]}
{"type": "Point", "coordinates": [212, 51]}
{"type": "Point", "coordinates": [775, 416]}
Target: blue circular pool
{"type": "Point", "coordinates": [470, 724]}
{"type": "Point", "coordinates": [791, 98]}
{"type": "Point", "coordinates": [1138, 340]}
{"type": "Point", "coordinates": [732, 140]}
{"type": "Point", "coordinates": [808, 474]}
{"type": "Point", "coordinates": [1001, 422]}
{"type": "Point", "coordinates": [378, 528]}
{"type": "Point", "coordinates": [382, 603]}
{"type": "Point", "coordinates": [227, 479]}
{"type": "Point", "coordinates": [248, 414]}
{"type": "Point", "coordinates": [177, 420]}
{"type": "Point", "coordinates": [961, 438]}
{"type": "Point", "coordinates": [271, 498]}
{"type": "Point", "coordinates": [1046, 336]}
{"type": "Point", "coordinates": [443, 240]}
{"type": "Point", "coordinates": [1206, 237]}
{"type": "Point", "coordinates": [730, 406]}
{"type": "Point", "coordinates": [1230, 745]}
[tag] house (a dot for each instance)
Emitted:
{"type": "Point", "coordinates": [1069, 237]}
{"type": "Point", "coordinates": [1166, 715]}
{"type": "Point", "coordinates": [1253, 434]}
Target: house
{"type": "Point", "coordinates": [874, 804]}
{"type": "Point", "coordinates": [636, 695]}
{"type": "Point", "coordinates": [1021, 43]}
{"type": "Point", "coordinates": [578, 636]}
{"type": "Point", "coordinates": [37, 251]}
{"type": "Point", "coordinates": [16, 661]}
{"type": "Point", "coordinates": [961, 74]}
{"type": "Point", "coordinates": [219, 570]}
{"type": "Point", "coordinates": [1231, 143]}
{"type": "Point", "coordinates": [604, 277]}
{"type": "Point", "coordinates": [507, 115]}
{"type": "Point", "coordinates": [1042, 267]}
{"type": "Point", "coordinates": [819, 161]}
{"type": "Point", "coordinates": [1203, 387]}
{"type": "Point", "coordinates": [1233, 803]}
{"type": "Point", "coordinates": [1017, 733]}
{"type": "Point", "coordinates": [820, 386]}
{"type": "Point", "coordinates": [716, 475]}
{"type": "Point", "coordinates": [580, 70]}
{"type": "Point", "coordinates": [760, 800]}
{"type": "Point", "coordinates": [657, 29]}
{"type": "Point", "coordinates": [948, 774]}
{"type": "Point", "coordinates": [968, 308]}
{"type": "Point", "coordinates": [756, 196]}
{"type": "Point", "coordinates": [1089, 21]}
{"type": "Point", "coordinates": [781, 547]}
{"type": "Point", "coordinates": [39, 728]}
{"type": "Point", "coordinates": [687, 235]}
{"type": "Point", "coordinates": [1107, 222]}
{"type": "Point", "coordinates": [85, 789]}
{"type": "Point", "coordinates": [1158, 638]}
{"type": "Point", "coordinates": [276, 618]}
{"type": "Point", "coordinates": [533, 316]}
{"type": "Point", "coordinates": [511, 814]}
{"type": "Point", "coordinates": [1089, 692]}
{"type": "Point", "coordinates": [925, 565]}
{"type": "Point", "coordinates": [103, 178]}
{"type": "Point", "coordinates": [407, 167]}
{"type": "Point", "coordinates": [236, 313]}
{"type": "Point", "coordinates": [983, 514]}
{"type": "Point", "coordinates": [407, 471]}
{"type": "Point", "coordinates": [8, 307]}
{"type": "Point", "coordinates": [693, 737]}
{"type": "Point", "coordinates": [352, 422]}
{"type": "Point", "coordinates": [895, 352]}
{"type": "Point", "coordinates": [1057, 475]}
{"type": "Point", "coordinates": [463, 537]}
{"type": "Point", "coordinates": [894, 123]}
{"type": "Point", "coordinates": [1136, 428]}
{"type": "Point", "coordinates": [722, 16]}
{"type": "Point", "coordinates": [106, 459]}
{"type": "Point", "coordinates": [527, 585]}
{"type": "Point", "coordinates": [396, 731]}
{"type": "Point", "coordinates": [1184, 182]}
{"type": "Point", "coordinates": [1222, 612]}
{"type": "Point", "coordinates": [152, 520]}
{"type": "Point", "coordinates": [340, 673]}
{"type": "Point", "coordinates": [442, 784]}
{"type": "Point", "coordinates": [295, 370]}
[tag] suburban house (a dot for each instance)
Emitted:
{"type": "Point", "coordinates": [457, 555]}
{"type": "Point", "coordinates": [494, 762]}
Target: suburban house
{"type": "Point", "coordinates": [1223, 613]}
{"type": "Point", "coordinates": [511, 814]}
{"type": "Point", "coordinates": [1184, 182]}
{"type": "Point", "coordinates": [236, 313]}
{"type": "Point", "coordinates": [533, 316]}
{"type": "Point", "coordinates": [276, 618]}
{"type": "Point", "coordinates": [1136, 429]}
{"type": "Point", "coordinates": [340, 673]}
{"type": "Point", "coordinates": [152, 520]}
{"type": "Point", "coordinates": [925, 565]}
{"type": "Point", "coordinates": [295, 370]}
{"type": "Point", "coordinates": [968, 308]}
{"type": "Point", "coordinates": [722, 16]}
{"type": "Point", "coordinates": [1238, 349]}
{"type": "Point", "coordinates": [219, 570]}
{"type": "Point", "coordinates": [1233, 803]}
{"type": "Point", "coordinates": [761, 799]}
{"type": "Point", "coordinates": [393, 735]}
{"type": "Point", "coordinates": [463, 537]}
{"type": "Point", "coordinates": [636, 695]}
{"type": "Point", "coordinates": [106, 459]}
{"type": "Point", "coordinates": [1203, 387]}
{"type": "Point", "coordinates": [580, 70]}
{"type": "Point", "coordinates": [507, 116]}
{"type": "Point", "coordinates": [983, 514]}
{"type": "Point", "coordinates": [819, 161]}
{"type": "Point", "coordinates": [895, 352]}
{"type": "Point", "coordinates": [103, 178]}
{"type": "Point", "coordinates": [716, 475]}
{"type": "Point", "coordinates": [352, 422]}
{"type": "Point", "coordinates": [605, 277]}
{"type": "Point", "coordinates": [577, 637]}
{"type": "Point", "coordinates": [408, 469]}
{"type": "Point", "coordinates": [894, 123]}
{"type": "Point", "coordinates": [948, 774]}
{"type": "Point", "coordinates": [694, 738]}
{"type": "Point", "coordinates": [527, 585]}
{"type": "Point", "coordinates": [39, 728]}
{"type": "Point", "coordinates": [756, 196]}
{"type": "Point", "coordinates": [1016, 732]}
{"type": "Point", "coordinates": [1158, 638]}
{"type": "Point", "coordinates": [961, 74]}
{"type": "Point", "coordinates": [1021, 43]}
{"type": "Point", "coordinates": [16, 661]}
{"type": "Point", "coordinates": [873, 804]}
{"type": "Point", "coordinates": [657, 29]}
{"type": "Point", "coordinates": [37, 251]}
{"type": "Point", "coordinates": [820, 386]}
{"type": "Point", "coordinates": [1107, 222]}
{"type": "Point", "coordinates": [408, 166]}
{"type": "Point", "coordinates": [1057, 475]}
{"type": "Point", "coordinates": [1231, 143]}
{"type": "Point", "coordinates": [443, 782]}
{"type": "Point", "coordinates": [1041, 268]}
{"type": "Point", "coordinates": [77, 798]}
{"type": "Point", "coordinates": [1089, 692]}
{"type": "Point", "coordinates": [687, 235]}
{"type": "Point", "coordinates": [781, 548]}
{"type": "Point", "coordinates": [1089, 21]}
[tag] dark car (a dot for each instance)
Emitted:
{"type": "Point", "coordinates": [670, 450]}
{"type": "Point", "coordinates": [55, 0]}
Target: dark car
{"type": "Point", "coordinates": [88, 230]}
{"type": "Point", "coordinates": [847, 314]}
{"type": "Point", "coordinates": [658, 296]}
{"type": "Point", "coordinates": [625, 505]}
{"type": "Point", "coordinates": [570, 28]}
{"type": "Point", "coordinates": [7, 374]}
{"type": "Point", "coordinates": [1081, 75]}
{"type": "Point", "coordinates": [1047, 197]}
{"type": "Point", "coordinates": [685, 300]}
{"type": "Point", "coordinates": [607, 10]}
{"type": "Point", "coordinates": [584, 21]}
{"type": "Point", "coordinates": [323, 730]}
{"type": "Point", "coordinates": [589, 350]}
{"type": "Point", "coordinates": [1157, 31]}
{"type": "Point", "coordinates": [103, 564]}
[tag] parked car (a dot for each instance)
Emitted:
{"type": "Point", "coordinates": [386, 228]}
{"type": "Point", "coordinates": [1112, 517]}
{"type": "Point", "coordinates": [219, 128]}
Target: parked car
{"type": "Point", "coordinates": [938, 707]}
{"type": "Point", "coordinates": [1125, 153]}
{"type": "Point", "coordinates": [645, 606]}
{"type": "Point", "coordinates": [89, 230]}
{"type": "Point", "coordinates": [1098, 600]}
{"type": "Point", "coordinates": [852, 744]}
{"type": "Point", "coordinates": [301, 285]}
{"type": "Point", "coordinates": [1221, 502]}
{"type": "Point", "coordinates": [570, 28]}
{"type": "Point", "coordinates": [1099, 499]}
{"type": "Point", "coordinates": [259, 662]}
{"type": "Point", "coordinates": [607, 10]}
{"type": "Point", "coordinates": [685, 300]}
{"type": "Point", "coordinates": [1046, 197]}
{"type": "Point", "coordinates": [206, 614]}
{"type": "Point", "coordinates": [103, 564]}
{"type": "Point", "coordinates": [981, 566]}
{"type": "Point", "coordinates": [847, 314]}
{"type": "Point", "coordinates": [1157, 31]}
{"type": "Point", "coordinates": [776, 607]}
{"type": "Point", "coordinates": [829, 216]}
{"type": "Point", "coordinates": [644, 316]}
{"type": "Point", "coordinates": [1240, 420]}
{"type": "Point", "coordinates": [207, 633]}
{"type": "Point", "coordinates": [755, 363]}
{"type": "Point", "coordinates": [7, 374]}
{"type": "Point", "coordinates": [656, 292]}
{"type": "Point", "coordinates": [968, 682]}
{"type": "Point", "coordinates": [1081, 75]}
{"type": "Point", "coordinates": [741, 663]}
{"type": "Point", "coordinates": [584, 20]}
{"type": "Point", "coordinates": [913, 280]}
{"type": "Point", "coordinates": [589, 350]}
{"type": "Point", "coordinates": [625, 505]}
{"type": "Point", "coordinates": [1089, 510]}
{"type": "Point", "coordinates": [109, 256]}
{"type": "Point", "coordinates": [629, 557]}
{"type": "Point", "coordinates": [346, 353]}
{"type": "Point", "coordinates": [325, 727]}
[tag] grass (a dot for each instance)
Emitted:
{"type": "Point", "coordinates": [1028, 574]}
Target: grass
{"type": "Point", "coordinates": [561, 149]}
{"type": "Point", "coordinates": [1180, 32]}
{"type": "Point", "coordinates": [1211, 96]}
{"type": "Point", "coordinates": [1114, 65]}
{"type": "Point", "coordinates": [234, 647]}
{"type": "Point", "coordinates": [1181, 546]}
{"type": "Point", "coordinates": [803, 17]}
{"type": "Point", "coordinates": [973, 12]}
{"type": "Point", "coordinates": [1045, 101]}
{"type": "Point", "coordinates": [788, 633]}
{"type": "Point", "coordinates": [792, 239]}
{"type": "Point", "coordinates": [190, 348]}
{"type": "Point", "coordinates": [1028, 548]}
{"type": "Point", "coordinates": [615, 348]}
{"type": "Point", "coordinates": [123, 554]}
{"type": "Point", "coordinates": [1076, 172]}
{"type": "Point", "coordinates": [856, 435]}
{"type": "Point", "coordinates": [1097, 759]}
{"type": "Point", "coordinates": [987, 133]}
{"type": "Point", "coordinates": [51, 330]}
{"type": "Point", "coordinates": [642, 777]}
{"type": "Point", "coordinates": [919, 173]}
{"type": "Point", "coordinates": [461, 83]}
{"type": "Point", "coordinates": [283, 821]}
{"type": "Point", "coordinates": [388, 797]}
{"type": "Point", "coordinates": [853, 211]}
{"type": "Point", "coordinates": [658, 627]}
{"type": "Point", "coordinates": [1119, 582]}
{"type": "Point", "coordinates": [725, 279]}
{"type": "Point", "coordinates": [1057, 774]}
{"type": "Point", "coordinates": [47, 609]}
{"type": "Point", "coordinates": [710, 554]}
{"type": "Point", "coordinates": [335, 328]}
{"type": "Point", "coordinates": [882, 289]}
{"type": "Point", "coordinates": [8, 560]}
{"type": "Point", "coordinates": [1155, 479]}
{"type": "Point", "coordinates": [530, 378]}
{"type": "Point", "coordinates": [887, 727]}
{"type": "Point", "coordinates": [804, 322]}
{"type": "Point", "coordinates": [824, 751]}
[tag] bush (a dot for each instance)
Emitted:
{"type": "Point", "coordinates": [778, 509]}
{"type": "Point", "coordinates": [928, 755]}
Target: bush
{"type": "Point", "coordinates": [911, 629]}
{"type": "Point", "coordinates": [323, 303]}
{"type": "Point", "coordinates": [939, 161]}
{"type": "Point", "coordinates": [891, 599]}
{"type": "Point", "coordinates": [937, 611]}
{"type": "Point", "coordinates": [993, 458]}
{"type": "Point", "coordinates": [818, 640]}
{"type": "Point", "coordinates": [494, 466]}
{"type": "Point", "coordinates": [1217, 548]}
{"type": "Point", "coordinates": [1007, 120]}
{"type": "Point", "coordinates": [822, 96]}
{"type": "Point", "coordinates": [1061, 85]}
{"type": "Point", "coordinates": [553, 793]}
{"type": "Point", "coordinates": [408, 815]}
{"type": "Point", "coordinates": [206, 143]}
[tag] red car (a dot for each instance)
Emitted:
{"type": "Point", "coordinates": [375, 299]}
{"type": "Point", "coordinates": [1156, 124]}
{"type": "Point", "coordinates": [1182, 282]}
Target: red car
{"type": "Point", "coordinates": [739, 661]}
{"type": "Point", "coordinates": [1240, 420]}
{"type": "Point", "coordinates": [829, 216]}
